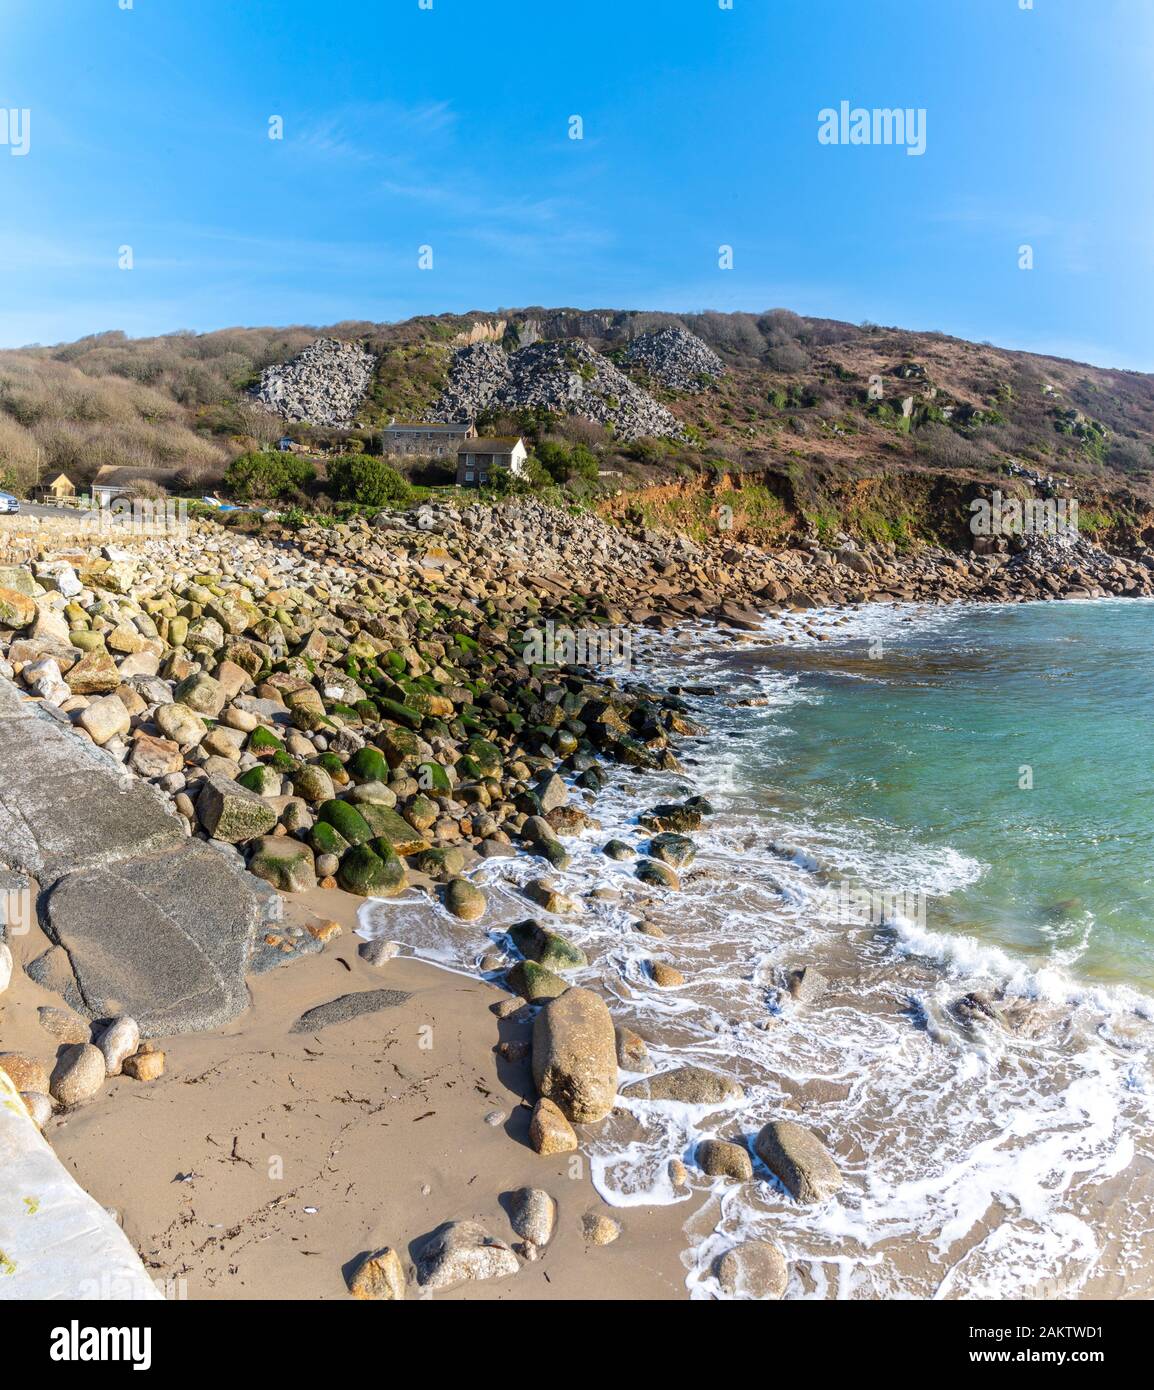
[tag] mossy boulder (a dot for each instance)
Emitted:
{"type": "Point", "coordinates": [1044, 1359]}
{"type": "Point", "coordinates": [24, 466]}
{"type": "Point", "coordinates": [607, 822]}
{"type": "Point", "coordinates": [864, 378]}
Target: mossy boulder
{"type": "Point", "coordinates": [439, 864]}
{"type": "Point", "coordinates": [285, 863]}
{"type": "Point", "coordinates": [619, 849]}
{"type": "Point", "coordinates": [368, 765]}
{"type": "Point", "coordinates": [372, 870]}
{"type": "Point", "coordinates": [313, 783]}
{"type": "Point", "coordinates": [327, 840]}
{"type": "Point", "coordinates": [486, 755]}
{"type": "Point", "coordinates": [347, 821]}
{"type": "Point", "coordinates": [384, 822]}
{"type": "Point", "coordinates": [432, 777]}
{"type": "Point", "coordinates": [533, 981]}
{"type": "Point", "coordinates": [263, 780]}
{"type": "Point", "coordinates": [548, 948]}
{"type": "Point", "coordinates": [263, 743]}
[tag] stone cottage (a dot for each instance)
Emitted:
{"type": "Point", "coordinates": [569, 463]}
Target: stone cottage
{"type": "Point", "coordinates": [426, 439]}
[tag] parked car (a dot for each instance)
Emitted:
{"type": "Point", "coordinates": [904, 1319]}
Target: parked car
{"type": "Point", "coordinates": [8, 503]}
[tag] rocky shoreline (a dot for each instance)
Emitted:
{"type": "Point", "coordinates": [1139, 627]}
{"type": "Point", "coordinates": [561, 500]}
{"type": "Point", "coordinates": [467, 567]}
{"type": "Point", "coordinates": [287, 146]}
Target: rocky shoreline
{"type": "Point", "coordinates": [359, 710]}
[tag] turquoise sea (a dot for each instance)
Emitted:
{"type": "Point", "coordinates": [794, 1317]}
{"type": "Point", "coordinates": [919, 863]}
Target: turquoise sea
{"type": "Point", "coordinates": [1020, 736]}
{"type": "Point", "coordinates": [984, 777]}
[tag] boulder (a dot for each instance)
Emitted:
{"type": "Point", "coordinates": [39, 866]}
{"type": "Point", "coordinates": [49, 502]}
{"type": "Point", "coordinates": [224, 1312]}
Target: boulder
{"type": "Point", "coordinates": [664, 975]}
{"type": "Point", "coordinates": [532, 1214]}
{"type": "Point", "coordinates": [201, 693]}
{"type": "Point", "coordinates": [24, 1072]}
{"type": "Point", "coordinates": [16, 609]}
{"type": "Point", "coordinates": [548, 948]}
{"type": "Point", "coordinates": [231, 812]}
{"type": "Point", "coordinates": [463, 899]}
{"type": "Point", "coordinates": [379, 1277]}
{"type": "Point", "coordinates": [534, 982]}
{"type": "Point", "coordinates": [807, 984]}
{"type": "Point", "coordinates": [462, 1250]}
{"type": "Point", "coordinates": [104, 719]}
{"type": "Point", "coordinates": [688, 1085]}
{"type": "Point", "coordinates": [677, 851]}
{"type": "Point", "coordinates": [284, 862]}
{"type": "Point", "coordinates": [543, 893]}
{"type": "Point", "coordinates": [575, 1055]}
{"type": "Point", "coordinates": [799, 1160]}
{"type": "Point", "coordinates": [118, 1042]}
{"type": "Point", "coordinates": [78, 1075]}
{"type": "Point", "coordinates": [94, 674]}
{"type": "Point", "coordinates": [154, 757]}
{"type": "Point", "coordinates": [657, 875]}
{"type": "Point", "coordinates": [179, 724]}
{"type": "Point", "coordinates": [632, 1053]}
{"type": "Point", "coordinates": [718, 1158]}
{"type": "Point", "coordinates": [551, 792]}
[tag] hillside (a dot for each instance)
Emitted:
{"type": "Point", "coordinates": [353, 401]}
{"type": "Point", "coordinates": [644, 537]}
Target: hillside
{"type": "Point", "coordinates": [807, 424]}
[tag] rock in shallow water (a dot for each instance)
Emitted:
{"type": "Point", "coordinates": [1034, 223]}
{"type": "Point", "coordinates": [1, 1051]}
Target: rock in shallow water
{"type": "Point", "coordinates": [575, 1055]}
{"type": "Point", "coordinates": [799, 1160]}
{"type": "Point", "coordinates": [718, 1158]}
{"type": "Point", "coordinates": [464, 899]}
{"type": "Point", "coordinates": [688, 1085]}
{"type": "Point", "coordinates": [753, 1270]}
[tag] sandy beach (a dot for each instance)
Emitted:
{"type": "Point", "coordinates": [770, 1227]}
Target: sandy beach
{"type": "Point", "coordinates": [376, 1131]}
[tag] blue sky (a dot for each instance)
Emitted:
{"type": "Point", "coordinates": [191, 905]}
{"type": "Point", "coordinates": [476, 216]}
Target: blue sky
{"type": "Point", "coordinates": [449, 127]}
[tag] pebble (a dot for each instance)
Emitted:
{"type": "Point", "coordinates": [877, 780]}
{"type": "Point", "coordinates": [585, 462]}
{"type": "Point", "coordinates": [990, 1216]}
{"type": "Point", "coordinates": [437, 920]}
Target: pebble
{"type": "Point", "coordinates": [496, 1117]}
{"type": "Point", "coordinates": [145, 1065]}
{"type": "Point", "coordinates": [599, 1229]}
{"type": "Point", "coordinates": [378, 951]}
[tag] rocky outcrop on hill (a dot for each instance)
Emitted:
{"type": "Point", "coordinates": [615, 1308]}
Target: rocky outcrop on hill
{"type": "Point", "coordinates": [676, 358]}
{"type": "Point", "coordinates": [323, 385]}
{"type": "Point", "coordinates": [566, 377]}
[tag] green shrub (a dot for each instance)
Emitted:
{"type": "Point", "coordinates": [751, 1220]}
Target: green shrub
{"type": "Point", "coordinates": [565, 463]}
{"type": "Point", "coordinates": [368, 481]}
{"type": "Point", "coordinates": [266, 476]}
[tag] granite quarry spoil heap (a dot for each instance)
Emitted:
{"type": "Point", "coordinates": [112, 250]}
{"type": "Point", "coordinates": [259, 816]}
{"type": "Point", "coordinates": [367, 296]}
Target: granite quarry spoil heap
{"type": "Point", "coordinates": [323, 385]}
